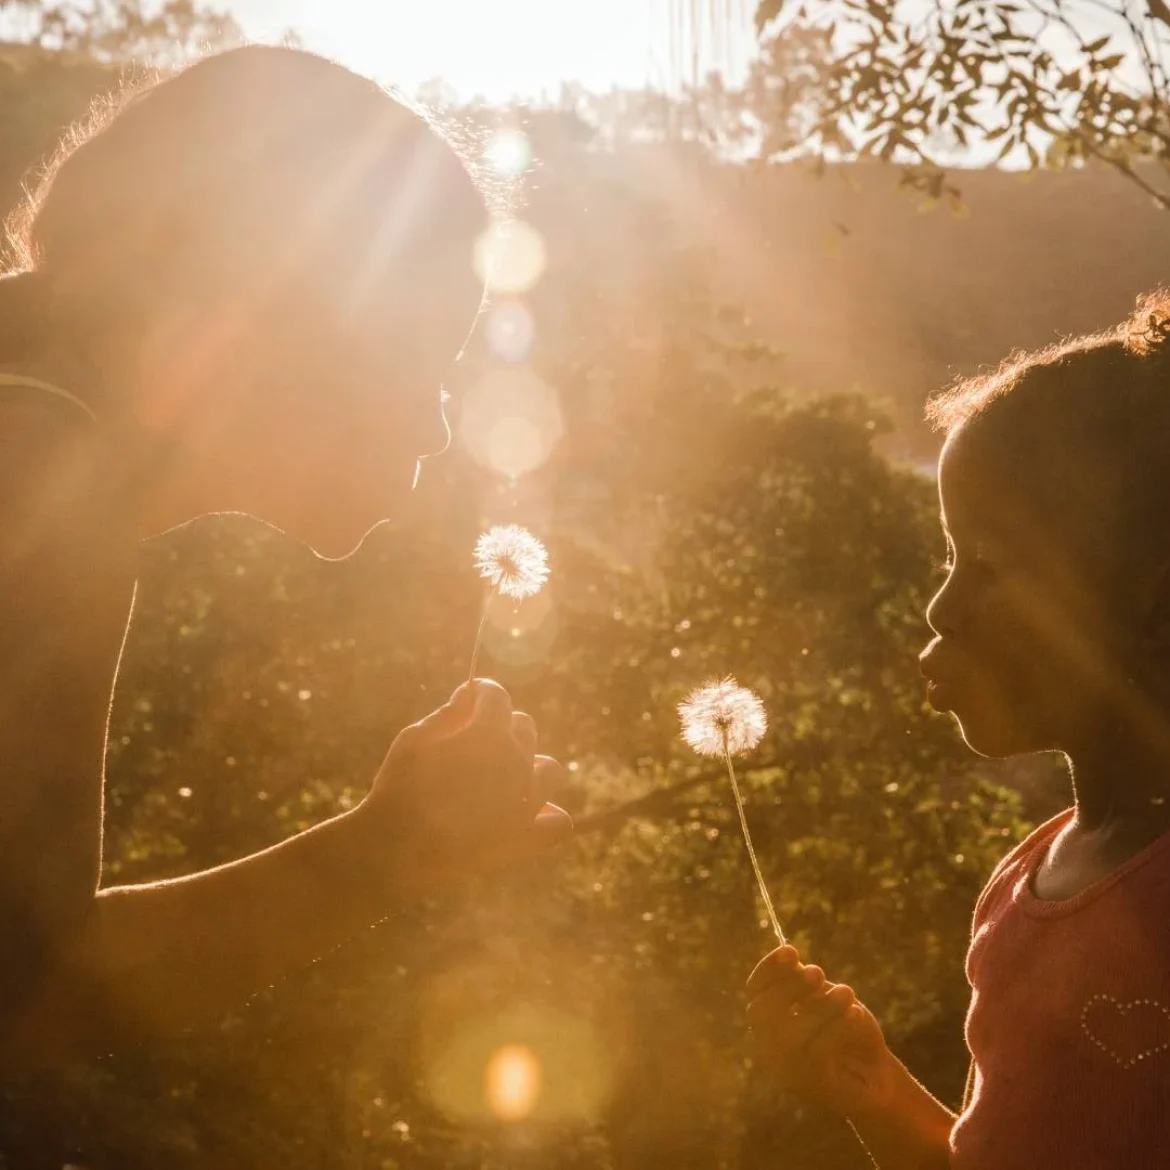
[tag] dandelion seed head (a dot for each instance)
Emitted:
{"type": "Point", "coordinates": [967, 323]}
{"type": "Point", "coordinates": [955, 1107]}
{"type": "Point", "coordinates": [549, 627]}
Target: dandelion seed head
{"type": "Point", "coordinates": [513, 560]}
{"type": "Point", "coordinates": [722, 713]}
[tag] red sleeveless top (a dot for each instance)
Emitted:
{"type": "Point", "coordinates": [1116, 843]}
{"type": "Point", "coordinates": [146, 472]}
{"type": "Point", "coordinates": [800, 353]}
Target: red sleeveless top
{"type": "Point", "coordinates": [1069, 1024]}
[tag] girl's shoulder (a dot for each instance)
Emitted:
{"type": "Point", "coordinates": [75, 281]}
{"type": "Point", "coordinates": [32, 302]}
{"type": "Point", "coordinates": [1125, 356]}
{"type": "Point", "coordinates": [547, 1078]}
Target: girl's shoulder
{"type": "Point", "coordinates": [1017, 863]}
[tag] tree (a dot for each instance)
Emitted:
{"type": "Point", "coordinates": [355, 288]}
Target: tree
{"type": "Point", "coordinates": [1016, 82]}
{"type": "Point", "coordinates": [123, 31]}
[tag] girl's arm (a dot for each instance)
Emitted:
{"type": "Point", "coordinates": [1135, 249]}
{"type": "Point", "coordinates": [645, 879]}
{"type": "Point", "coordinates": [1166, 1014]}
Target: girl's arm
{"type": "Point", "coordinates": [817, 1041]}
{"type": "Point", "coordinates": [912, 1131]}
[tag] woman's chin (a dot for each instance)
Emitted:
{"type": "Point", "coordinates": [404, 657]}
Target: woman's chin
{"type": "Point", "coordinates": [340, 546]}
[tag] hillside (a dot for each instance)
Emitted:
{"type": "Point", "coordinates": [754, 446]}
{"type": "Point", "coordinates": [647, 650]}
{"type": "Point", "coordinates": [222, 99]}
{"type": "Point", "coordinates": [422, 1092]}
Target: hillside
{"type": "Point", "coordinates": [845, 274]}
{"type": "Point", "coordinates": [899, 301]}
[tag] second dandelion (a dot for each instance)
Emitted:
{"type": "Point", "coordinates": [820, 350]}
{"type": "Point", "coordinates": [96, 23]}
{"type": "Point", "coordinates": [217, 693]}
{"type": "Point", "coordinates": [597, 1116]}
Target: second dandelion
{"type": "Point", "coordinates": [723, 719]}
{"type": "Point", "coordinates": [514, 564]}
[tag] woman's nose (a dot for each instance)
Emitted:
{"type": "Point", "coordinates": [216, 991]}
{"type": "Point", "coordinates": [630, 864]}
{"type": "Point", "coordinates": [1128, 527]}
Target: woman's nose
{"type": "Point", "coordinates": [431, 434]}
{"type": "Point", "coordinates": [439, 437]}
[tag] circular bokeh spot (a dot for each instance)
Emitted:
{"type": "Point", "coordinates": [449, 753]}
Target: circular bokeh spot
{"type": "Point", "coordinates": [510, 331]}
{"type": "Point", "coordinates": [511, 422]}
{"type": "Point", "coordinates": [508, 153]}
{"type": "Point", "coordinates": [512, 1082]}
{"type": "Point", "coordinates": [510, 256]}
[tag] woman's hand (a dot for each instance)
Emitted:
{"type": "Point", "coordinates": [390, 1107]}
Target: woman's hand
{"type": "Point", "coordinates": [816, 1040]}
{"type": "Point", "coordinates": [464, 790]}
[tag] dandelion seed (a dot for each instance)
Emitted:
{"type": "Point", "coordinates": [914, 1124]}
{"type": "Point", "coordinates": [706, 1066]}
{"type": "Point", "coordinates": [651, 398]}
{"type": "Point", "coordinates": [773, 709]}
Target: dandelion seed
{"type": "Point", "coordinates": [513, 560]}
{"type": "Point", "coordinates": [515, 564]}
{"type": "Point", "coordinates": [721, 718]}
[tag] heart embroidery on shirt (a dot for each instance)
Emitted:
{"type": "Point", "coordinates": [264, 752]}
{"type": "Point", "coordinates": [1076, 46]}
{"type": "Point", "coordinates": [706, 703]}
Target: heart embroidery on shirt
{"type": "Point", "coordinates": [1127, 1032]}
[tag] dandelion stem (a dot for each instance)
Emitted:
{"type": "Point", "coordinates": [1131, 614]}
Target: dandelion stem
{"type": "Point", "coordinates": [747, 838]}
{"type": "Point", "coordinates": [483, 617]}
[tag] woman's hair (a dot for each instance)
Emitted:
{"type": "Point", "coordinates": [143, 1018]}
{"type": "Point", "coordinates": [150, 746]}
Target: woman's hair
{"type": "Point", "coordinates": [1094, 409]}
{"type": "Point", "coordinates": [269, 176]}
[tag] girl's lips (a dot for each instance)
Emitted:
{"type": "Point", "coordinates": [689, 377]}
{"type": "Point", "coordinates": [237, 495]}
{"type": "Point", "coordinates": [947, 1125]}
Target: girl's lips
{"type": "Point", "coordinates": [939, 695]}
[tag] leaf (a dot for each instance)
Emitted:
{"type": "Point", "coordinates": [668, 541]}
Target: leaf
{"type": "Point", "coordinates": [767, 11]}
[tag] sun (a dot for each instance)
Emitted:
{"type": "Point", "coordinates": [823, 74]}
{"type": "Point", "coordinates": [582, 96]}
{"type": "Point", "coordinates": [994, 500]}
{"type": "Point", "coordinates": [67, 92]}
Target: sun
{"type": "Point", "coordinates": [498, 50]}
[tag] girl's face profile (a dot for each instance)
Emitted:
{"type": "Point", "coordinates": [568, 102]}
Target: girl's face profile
{"type": "Point", "coordinates": [1030, 635]}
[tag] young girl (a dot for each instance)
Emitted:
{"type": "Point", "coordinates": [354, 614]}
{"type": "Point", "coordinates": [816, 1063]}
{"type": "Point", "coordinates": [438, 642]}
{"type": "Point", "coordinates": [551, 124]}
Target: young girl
{"type": "Point", "coordinates": [1053, 634]}
{"type": "Point", "coordinates": [240, 293]}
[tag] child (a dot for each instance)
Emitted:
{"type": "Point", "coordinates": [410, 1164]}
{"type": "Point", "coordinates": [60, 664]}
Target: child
{"type": "Point", "coordinates": [240, 293]}
{"type": "Point", "coordinates": [1053, 634]}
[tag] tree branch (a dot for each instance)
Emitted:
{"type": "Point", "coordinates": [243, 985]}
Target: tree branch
{"type": "Point", "coordinates": [654, 801]}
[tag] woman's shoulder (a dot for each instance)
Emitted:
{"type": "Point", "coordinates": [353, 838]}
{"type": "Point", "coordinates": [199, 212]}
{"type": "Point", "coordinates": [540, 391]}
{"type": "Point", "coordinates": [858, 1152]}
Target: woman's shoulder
{"type": "Point", "coordinates": [36, 417]}
{"type": "Point", "coordinates": [58, 489]}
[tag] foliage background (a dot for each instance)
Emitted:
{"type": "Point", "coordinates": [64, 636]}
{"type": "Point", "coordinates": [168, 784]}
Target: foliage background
{"type": "Point", "coordinates": [706, 510]}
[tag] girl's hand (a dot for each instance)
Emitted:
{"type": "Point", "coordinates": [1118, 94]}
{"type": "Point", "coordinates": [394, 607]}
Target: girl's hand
{"type": "Point", "coordinates": [816, 1040]}
{"type": "Point", "coordinates": [464, 790]}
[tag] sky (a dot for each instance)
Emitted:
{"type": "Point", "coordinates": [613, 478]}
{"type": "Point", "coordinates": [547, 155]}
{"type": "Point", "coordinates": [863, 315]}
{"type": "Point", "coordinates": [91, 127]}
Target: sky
{"type": "Point", "coordinates": [496, 48]}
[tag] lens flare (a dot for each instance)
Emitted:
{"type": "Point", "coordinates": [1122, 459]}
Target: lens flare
{"type": "Point", "coordinates": [511, 422]}
{"type": "Point", "coordinates": [512, 1082]}
{"type": "Point", "coordinates": [508, 153]}
{"type": "Point", "coordinates": [510, 257]}
{"type": "Point", "coordinates": [522, 637]}
{"type": "Point", "coordinates": [510, 331]}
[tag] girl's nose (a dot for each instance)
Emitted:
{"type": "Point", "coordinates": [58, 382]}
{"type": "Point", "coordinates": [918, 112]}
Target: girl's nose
{"type": "Point", "coordinates": [940, 614]}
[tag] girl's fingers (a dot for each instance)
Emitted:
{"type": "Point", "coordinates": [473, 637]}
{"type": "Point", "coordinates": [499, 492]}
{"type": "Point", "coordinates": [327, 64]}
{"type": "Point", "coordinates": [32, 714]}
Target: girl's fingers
{"type": "Point", "coordinates": [813, 979]}
{"type": "Point", "coordinates": [771, 967]}
{"type": "Point", "coordinates": [790, 983]}
{"type": "Point", "coordinates": [788, 1029]}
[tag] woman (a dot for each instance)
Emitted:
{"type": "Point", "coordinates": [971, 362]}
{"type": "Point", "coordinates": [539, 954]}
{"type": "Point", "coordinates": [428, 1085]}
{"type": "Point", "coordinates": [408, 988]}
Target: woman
{"type": "Point", "coordinates": [238, 293]}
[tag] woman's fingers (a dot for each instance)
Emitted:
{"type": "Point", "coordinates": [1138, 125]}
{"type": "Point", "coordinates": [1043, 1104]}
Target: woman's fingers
{"type": "Point", "coordinates": [547, 780]}
{"type": "Point", "coordinates": [492, 705]}
{"type": "Point", "coordinates": [524, 733]}
{"type": "Point", "coordinates": [552, 826]}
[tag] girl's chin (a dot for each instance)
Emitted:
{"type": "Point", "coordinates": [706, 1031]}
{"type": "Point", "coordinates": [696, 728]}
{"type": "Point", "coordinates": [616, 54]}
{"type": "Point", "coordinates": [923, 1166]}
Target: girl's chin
{"type": "Point", "coordinates": [939, 697]}
{"type": "Point", "coordinates": [992, 738]}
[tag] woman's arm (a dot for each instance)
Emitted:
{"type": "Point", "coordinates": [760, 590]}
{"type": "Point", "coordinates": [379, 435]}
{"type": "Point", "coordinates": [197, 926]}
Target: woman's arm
{"type": "Point", "coordinates": [82, 971]}
{"type": "Point", "coordinates": [67, 578]}
{"type": "Point", "coordinates": [153, 959]}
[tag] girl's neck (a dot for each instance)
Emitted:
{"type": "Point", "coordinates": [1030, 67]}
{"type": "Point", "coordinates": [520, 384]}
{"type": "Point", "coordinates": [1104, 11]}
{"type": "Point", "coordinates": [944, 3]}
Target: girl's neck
{"type": "Point", "coordinates": [1122, 783]}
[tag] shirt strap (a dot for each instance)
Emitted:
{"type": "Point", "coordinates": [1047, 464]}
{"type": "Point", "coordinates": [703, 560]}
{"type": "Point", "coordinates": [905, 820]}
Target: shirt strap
{"type": "Point", "coordinates": [48, 388]}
